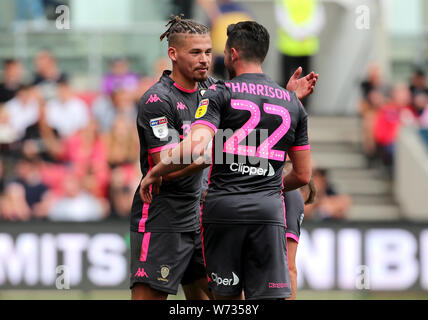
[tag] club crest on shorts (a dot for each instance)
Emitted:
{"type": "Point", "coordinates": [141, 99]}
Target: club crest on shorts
{"type": "Point", "coordinates": [202, 109]}
{"type": "Point", "coordinates": [159, 127]}
{"type": "Point", "coordinates": [164, 272]}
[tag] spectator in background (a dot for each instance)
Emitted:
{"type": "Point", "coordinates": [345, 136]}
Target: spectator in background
{"type": "Point", "coordinates": [122, 143]}
{"type": "Point", "coordinates": [124, 180]}
{"type": "Point", "coordinates": [67, 113]}
{"type": "Point", "coordinates": [388, 122]}
{"type": "Point", "coordinates": [328, 204]}
{"type": "Point", "coordinates": [23, 110]}
{"type": "Point", "coordinates": [77, 204]}
{"type": "Point", "coordinates": [13, 205]}
{"type": "Point", "coordinates": [299, 24]}
{"type": "Point", "coordinates": [2, 182]}
{"type": "Point", "coordinates": [86, 154]}
{"type": "Point", "coordinates": [422, 101]}
{"type": "Point", "coordinates": [8, 134]}
{"type": "Point", "coordinates": [12, 79]}
{"type": "Point", "coordinates": [40, 140]}
{"type": "Point", "coordinates": [418, 82]}
{"type": "Point", "coordinates": [373, 97]}
{"type": "Point", "coordinates": [221, 14]}
{"type": "Point", "coordinates": [417, 88]}
{"type": "Point", "coordinates": [106, 109]}
{"type": "Point", "coordinates": [28, 176]}
{"type": "Point", "coordinates": [48, 74]}
{"type": "Point", "coordinates": [120, 77]}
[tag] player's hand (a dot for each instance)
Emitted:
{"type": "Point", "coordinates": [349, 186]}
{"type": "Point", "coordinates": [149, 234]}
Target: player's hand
{"type": "Point", "coordinates": [149, 185]}
{"type": "Point", "coordinates": [303, 86]}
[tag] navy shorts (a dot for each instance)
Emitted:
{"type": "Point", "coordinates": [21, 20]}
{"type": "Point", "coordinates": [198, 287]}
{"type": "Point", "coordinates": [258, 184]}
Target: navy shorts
{"type": "Point", "coordinates": [252, 258]}
{"type": "Point", "coordinates": [295, 212]}
{"type": "Point", "coordinates": [165, 260]}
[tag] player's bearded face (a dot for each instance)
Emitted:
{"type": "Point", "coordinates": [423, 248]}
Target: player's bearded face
{"type": "Point", "coordinates": [194, 57]}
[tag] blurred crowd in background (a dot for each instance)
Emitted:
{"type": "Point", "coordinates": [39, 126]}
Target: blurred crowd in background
{"type": "Point", "coordinates": [65, 155]}
{"type": "Point", "coordinates": [385, 107]}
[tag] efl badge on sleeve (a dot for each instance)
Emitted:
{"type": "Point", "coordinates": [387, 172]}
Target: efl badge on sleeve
{"type": "Point", "coordinates": [160, 127]}
{"type": "Point", "coordinates": [202, 109]}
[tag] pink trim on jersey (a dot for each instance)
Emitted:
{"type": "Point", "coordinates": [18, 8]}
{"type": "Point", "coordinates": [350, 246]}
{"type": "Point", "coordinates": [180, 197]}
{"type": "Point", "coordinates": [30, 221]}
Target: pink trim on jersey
{"type": "Point", "coordinates": [145, 246]}
{"type": "Point", "coordinates": [202, 208]}
{"type": "Point", "coordinates": [146, 206]}
{"type": "Point", "coordinates": [184, 89]}
{"type": "Point", "coordinates": [300, 148]}
{"type": "Point", "coordinates": [159, 149]}
{"type": "Point", "coordinates": [283, 200]}
{"type": "Point", "coordinates": [293, 236]}
{"type": "Point", "coordinates": [205, 123]}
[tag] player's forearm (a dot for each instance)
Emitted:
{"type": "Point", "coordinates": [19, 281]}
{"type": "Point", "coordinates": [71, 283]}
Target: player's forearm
{"type": "Point", "coordinates": [195, 167]}
{"type": "Point", "coordinates": [295, 180]}
{"type": "Point", "coordinates": [174, 161]}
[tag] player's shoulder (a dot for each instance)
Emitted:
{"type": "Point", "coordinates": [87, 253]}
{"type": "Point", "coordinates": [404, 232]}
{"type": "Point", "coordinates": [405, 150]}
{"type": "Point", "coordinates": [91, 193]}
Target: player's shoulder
{"type": "Point", "coordinates": [156, 96]}
{"type": "Point", "coordinates": [217, 87]}
{"type": "Point", "coordinates": [208, 83]}
{"type": "Point", "coordinates": [159, 91]}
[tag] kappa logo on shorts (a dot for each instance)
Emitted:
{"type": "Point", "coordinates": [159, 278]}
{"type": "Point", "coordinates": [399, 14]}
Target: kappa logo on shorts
{"type": "Point", "coordinates": [153, 98]}
{"type": "Point", "coordinates": [141, 273]}
{"type": "Point", "coordinates": [273, 285]}
{"type": "Point", "coordinates": [225, 281]}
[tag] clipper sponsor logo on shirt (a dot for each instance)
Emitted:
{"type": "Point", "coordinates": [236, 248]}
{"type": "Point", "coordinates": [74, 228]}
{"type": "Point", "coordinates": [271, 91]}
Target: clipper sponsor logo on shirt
{"type": "Point", "coordinates": [202, 109]}
{"type": "Point", "coordinates": [252, 171]}
{"type": "Point", "coordinates": [159, 127]}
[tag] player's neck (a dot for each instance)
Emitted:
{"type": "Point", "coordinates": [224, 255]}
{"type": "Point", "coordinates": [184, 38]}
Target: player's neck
{"type": "Point", "coordinates": [242, 68]}
{"type": "Point", "coordinates": [183, 82]}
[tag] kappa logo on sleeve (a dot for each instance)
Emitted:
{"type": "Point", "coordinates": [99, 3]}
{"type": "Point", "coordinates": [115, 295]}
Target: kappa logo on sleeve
{"type": "Point", "coordinates": [153, 98]}
{"type": "Point", "coordinates": [202, 109]}
{"type": "Point", "coordinates": [159, 127]}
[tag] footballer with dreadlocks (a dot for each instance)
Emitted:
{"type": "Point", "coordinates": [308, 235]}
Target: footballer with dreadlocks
{"type": "Point", "coordinates": [166, 247]}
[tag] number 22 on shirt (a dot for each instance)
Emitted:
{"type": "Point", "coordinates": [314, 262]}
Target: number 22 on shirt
{"type": "Point", "coordinates": [265, 150]}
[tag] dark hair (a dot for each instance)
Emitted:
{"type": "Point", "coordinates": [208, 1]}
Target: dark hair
{"type": "Point", "coordinates": [250, 39]}
{"type": "Point", "coordinates": [178, 25]}
{"type": "Point", "coordinates": [24, 86]}
{"type": "Point", "coordinates": [8, 62]}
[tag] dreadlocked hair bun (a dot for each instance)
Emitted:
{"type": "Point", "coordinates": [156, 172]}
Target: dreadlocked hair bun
{"type": "Point", "coordinates": [177, 25]}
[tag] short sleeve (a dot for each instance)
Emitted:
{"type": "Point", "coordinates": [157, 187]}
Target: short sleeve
{"type": "Point", "coordinates": [301, 140]}
{"type": "Point", "coordinates": [158, 121]}
{"type": "Point", "coordinates": [210, 107]}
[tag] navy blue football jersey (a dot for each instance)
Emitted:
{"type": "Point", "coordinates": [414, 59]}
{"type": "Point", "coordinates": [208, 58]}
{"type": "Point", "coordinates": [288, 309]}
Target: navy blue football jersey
{"type": "Point", "coordinates": [256, 122]}
{"type": "Point", "coordinates": [165, 114]}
